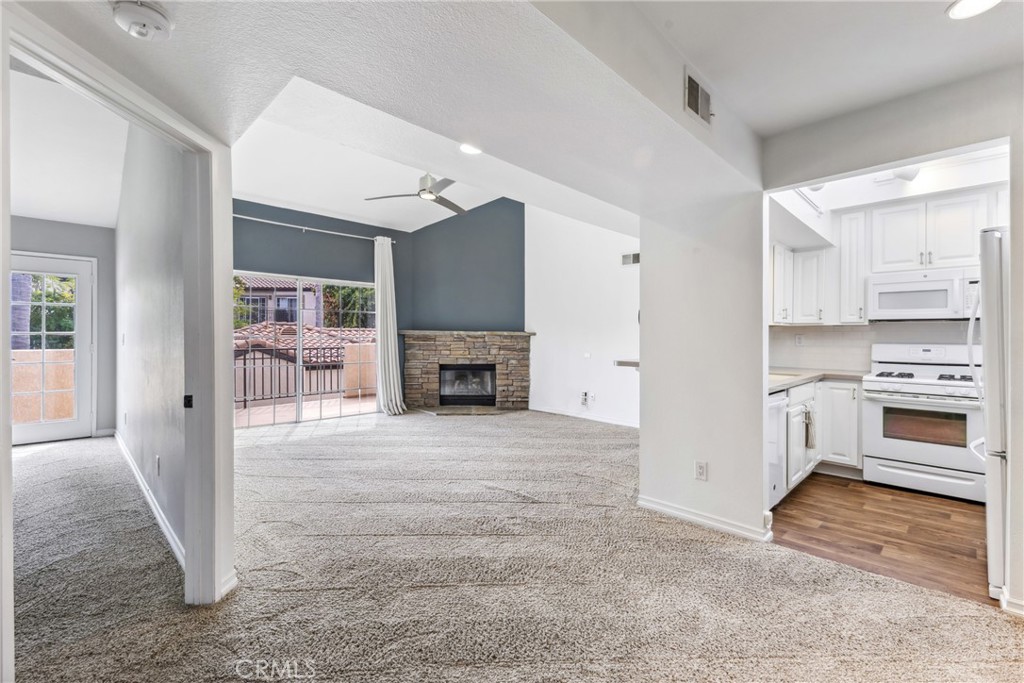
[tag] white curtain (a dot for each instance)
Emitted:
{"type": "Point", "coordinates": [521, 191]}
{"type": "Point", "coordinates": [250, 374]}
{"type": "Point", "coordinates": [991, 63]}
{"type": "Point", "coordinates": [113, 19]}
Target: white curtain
{"type": "Point", "coordinates": [389, 375]}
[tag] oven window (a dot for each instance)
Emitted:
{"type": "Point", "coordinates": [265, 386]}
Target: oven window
{"type": "Point", "coordinates": [925, 426]}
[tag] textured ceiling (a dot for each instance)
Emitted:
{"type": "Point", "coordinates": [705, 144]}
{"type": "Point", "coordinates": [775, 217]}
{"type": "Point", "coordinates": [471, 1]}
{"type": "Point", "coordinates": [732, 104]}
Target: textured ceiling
{"type": "Point", "coordinates": [779, 65]}
{"type": "Point", "coordinates": [281, 166]}
{"type": "Point", "coordinates": [67, 154]}
{"type": "Point", "coordinates": [499, 74]}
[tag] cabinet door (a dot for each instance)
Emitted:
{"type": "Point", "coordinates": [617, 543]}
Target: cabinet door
{"type": "Point", "coordinates": [898, 238]}
{"type": "Point", "coordinates": [953, 227]}
{"type": "Point", "coordinates": [839, 433]}
{"type": "Point", "coordinates": [808, 287]}
{"type": "Point", "coordinates": [782, 284]}
{"type": "Point", "coordinates": [852, 286]}
{"type": "Point", "coordinates": [796, 446]}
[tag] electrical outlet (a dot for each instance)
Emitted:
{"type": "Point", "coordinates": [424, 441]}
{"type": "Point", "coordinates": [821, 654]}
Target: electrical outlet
{"type": "Point", "coordinates": [700, 470]}
{"type": "Point", "coordinates": [584, 399]}
{"type": "Point", "coordinates": [799, 339]}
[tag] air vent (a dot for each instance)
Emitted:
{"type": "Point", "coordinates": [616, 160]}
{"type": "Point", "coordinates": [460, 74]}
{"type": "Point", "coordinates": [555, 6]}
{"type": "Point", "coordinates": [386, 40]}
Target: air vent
{"type": "Point", "coordinates": [698, 99]}
{"type": "Point", "coordinates": [631, 259]}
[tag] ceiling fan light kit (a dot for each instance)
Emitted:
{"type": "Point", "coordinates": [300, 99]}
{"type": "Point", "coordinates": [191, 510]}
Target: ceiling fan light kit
{"type": "Point", "coordinates": [430, 190]}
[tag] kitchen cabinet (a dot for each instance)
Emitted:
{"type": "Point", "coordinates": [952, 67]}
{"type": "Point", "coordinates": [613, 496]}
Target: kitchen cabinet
{"type": "Point", "coordinates": [782, 284]}
{"type": "Point", "coordinates": [801, 420]}
{"type": "Point", "coordinates": [839, 423]}
{"type": "Point", "coordinates": [852, 264]}
{"type": "Point", "coordinates": [808, 287]}
{"type": "Point", "coordinates": [953, 226]}
{"type": "Point", "coordinates": [938, 233]}
{"type": "Point", "coordinates": [898, 236]}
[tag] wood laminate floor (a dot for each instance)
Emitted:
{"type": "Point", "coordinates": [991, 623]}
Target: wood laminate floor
{"type": "Point", "coordinates": [919, 538]}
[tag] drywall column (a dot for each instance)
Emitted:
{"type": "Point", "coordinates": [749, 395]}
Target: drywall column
{"type": "Point", "coordinates": [703, 337]}
{"type": "Point", "coordinates": [583, 304]}
{"type": "Point", "coordinates": [920, 125]}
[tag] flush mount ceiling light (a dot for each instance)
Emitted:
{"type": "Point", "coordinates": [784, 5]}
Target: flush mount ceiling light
{"type": "Point", "coordinates": [143, 20]}
{"type": "Point", "coordinates": [965, 9]}
{"type": "Point", "coordinates": [816, 188]}
{"type": "Point", "coordinates": [467, 148]}
{"type": "Point", "coordinates": [907, 173]}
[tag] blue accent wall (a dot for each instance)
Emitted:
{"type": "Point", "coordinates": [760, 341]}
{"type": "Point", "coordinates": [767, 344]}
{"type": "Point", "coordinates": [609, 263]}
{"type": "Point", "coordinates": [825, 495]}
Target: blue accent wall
{"type": "Point", "coordinates": [469, 270]}
{"type": "Point", "coordinates": [461, 273]}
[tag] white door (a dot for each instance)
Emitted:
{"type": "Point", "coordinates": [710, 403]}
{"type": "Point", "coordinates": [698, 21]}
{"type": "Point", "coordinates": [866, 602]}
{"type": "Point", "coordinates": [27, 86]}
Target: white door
{"type": "Point", "coordinates": [51, 348]}
{"type": "Point", "coordinates": [808, 287]}
{"type": "Point", "coordinates": [840, 423]}
{"type": "Point", "coordinates": [782, 283]}
{"type": "Point", "coordinates": [954, 225]}
{"type": "Point", "coordinates": [898, 238]}
{"type": "Point", "coordinates": [852, 306]}
{"type": "Point", "coordinates": [796, 446]}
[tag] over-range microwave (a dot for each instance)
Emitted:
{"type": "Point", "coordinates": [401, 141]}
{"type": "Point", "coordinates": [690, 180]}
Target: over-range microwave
{"type": "Point", "coordinates": [936, 294]}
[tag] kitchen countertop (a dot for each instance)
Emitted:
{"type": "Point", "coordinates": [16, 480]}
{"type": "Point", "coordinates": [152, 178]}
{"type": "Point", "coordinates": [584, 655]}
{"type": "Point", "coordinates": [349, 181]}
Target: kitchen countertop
{"type": "Point", "coordinates": [798, 376]}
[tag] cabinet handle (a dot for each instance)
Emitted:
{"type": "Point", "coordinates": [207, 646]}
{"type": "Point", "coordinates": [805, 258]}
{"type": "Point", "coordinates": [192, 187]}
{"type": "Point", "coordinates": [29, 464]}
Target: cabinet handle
{"type": "Point", "coordinates": [930, 259]}
{"type": "Point", "coordinates": [920, 258]}
{"type": "Point", "coordinates": [855, 393]}
{"type": "Point", "coordinates": [860, 312]}
{"type": "Point", "coordinates": [819, 314]}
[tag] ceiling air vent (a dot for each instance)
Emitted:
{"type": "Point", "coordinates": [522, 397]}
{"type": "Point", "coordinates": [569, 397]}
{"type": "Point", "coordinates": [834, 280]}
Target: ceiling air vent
{"type": "Point", "coordinates": [631, 259]}
{"type": "Point", "coordinates": [698, 99]}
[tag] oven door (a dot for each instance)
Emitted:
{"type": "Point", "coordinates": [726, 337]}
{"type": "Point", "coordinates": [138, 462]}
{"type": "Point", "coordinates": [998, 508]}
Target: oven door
{"type": "Point", "coordinates": [927, 430]}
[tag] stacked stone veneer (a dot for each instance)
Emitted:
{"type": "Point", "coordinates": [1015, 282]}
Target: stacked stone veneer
{"type": "Point", "coordinates": [508, 351]}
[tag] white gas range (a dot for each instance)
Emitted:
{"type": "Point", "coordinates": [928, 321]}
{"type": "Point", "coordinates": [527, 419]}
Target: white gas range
{"type": "Point", "coordinates": [921, 411]}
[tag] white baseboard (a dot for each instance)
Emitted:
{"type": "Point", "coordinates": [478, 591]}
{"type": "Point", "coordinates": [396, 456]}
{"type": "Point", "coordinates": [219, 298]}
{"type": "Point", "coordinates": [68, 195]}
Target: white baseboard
{"type": "Point", "coordinates": [705, 520]}
{"type": "Point", "coordinates": [586, 416]}
{"type": "Point", "coordinates": [176, 547]}
{"type": "Point", "coordinates": [229, 583]}
{"type": "Point", "coordinates": [844, 471]}
{"type": "Point", "coordinates": [103, 432]}
{"type": "Point", "coordinates": [1014, 607]}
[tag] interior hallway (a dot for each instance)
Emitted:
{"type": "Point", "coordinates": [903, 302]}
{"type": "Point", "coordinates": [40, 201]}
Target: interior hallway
{"type": "Point", "coordinates": [492, 548]}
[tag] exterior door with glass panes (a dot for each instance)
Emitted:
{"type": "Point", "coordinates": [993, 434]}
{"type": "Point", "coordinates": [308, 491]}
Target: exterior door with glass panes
{"type": "Point", "coordinates": [51, 348]}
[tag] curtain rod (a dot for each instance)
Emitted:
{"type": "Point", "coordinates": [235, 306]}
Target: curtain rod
{"type": "Point", "coordinates": [304, 228]}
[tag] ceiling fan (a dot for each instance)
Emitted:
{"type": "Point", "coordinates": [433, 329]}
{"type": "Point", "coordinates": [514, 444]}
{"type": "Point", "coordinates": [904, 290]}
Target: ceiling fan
{"type": "Point", "coordinates": [430, 190]}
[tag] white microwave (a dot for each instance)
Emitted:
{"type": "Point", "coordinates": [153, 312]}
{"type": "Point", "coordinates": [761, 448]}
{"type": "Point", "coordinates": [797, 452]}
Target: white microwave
{"type": "Point", "coordinates": [939, 294]}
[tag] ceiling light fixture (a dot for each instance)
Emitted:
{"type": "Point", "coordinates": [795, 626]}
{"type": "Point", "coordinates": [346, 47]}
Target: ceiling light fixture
{"type": "Point", "coordinates": [816, 188]}
{"type": "Point", "coordinates": [467, 148]}
{"type": "Point", "coordinates": [965, 9]}
{"type": "Point", "coordinates": [907, 173]}
{"type": "Point", "coordinates": [143, 20]}
{"type": "Point", "coordinates": [427, 194]}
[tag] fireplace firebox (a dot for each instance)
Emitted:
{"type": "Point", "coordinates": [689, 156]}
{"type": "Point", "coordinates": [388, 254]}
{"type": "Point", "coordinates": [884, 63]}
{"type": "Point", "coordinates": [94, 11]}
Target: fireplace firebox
{"type": "Point", "coordinates": [467, 385]}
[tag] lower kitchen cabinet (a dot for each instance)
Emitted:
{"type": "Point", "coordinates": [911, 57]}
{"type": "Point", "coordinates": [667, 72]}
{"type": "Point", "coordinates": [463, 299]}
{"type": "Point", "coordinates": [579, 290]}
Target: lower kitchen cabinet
{"type": "Point", "coordinates": [839, 407]}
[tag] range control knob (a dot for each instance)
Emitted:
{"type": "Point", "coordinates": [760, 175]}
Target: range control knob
{"type": "Point", "coordinates": [965, 392]}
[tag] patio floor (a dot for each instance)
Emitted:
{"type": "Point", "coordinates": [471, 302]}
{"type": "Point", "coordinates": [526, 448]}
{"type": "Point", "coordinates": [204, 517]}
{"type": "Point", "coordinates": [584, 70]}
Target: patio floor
{"type": "Point", "coordinates": [312, 409]}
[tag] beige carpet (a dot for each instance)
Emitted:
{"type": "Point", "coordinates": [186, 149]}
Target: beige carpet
{"type": "Point", "coordinates": [420, 548]}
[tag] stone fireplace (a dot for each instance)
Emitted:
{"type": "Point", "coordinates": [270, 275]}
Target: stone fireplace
{"type": "Point", "coordinates": [445, 368]}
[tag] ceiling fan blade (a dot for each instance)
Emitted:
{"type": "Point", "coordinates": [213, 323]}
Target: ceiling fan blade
{"type": "Point", "coordinates": [449, 204]}
{"type": "Point", "coordinates": [441, 185]}
{"type": "Point", "coordinates": [390, 196]}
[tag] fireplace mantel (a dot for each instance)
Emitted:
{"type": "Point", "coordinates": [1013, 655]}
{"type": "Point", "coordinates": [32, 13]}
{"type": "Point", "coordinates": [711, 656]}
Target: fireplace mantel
{"type": "Point", "coordinates": [427, 350]}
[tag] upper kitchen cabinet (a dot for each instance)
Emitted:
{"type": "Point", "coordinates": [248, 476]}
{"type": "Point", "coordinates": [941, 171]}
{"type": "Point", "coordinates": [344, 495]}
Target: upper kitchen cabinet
{"type": "Point", "coordinates": [898, 237]}
{"type": "Point", "coordinates": [809, 287]}
{"type": "Point", "coordinates": [953, 225]}
{"type": "Point", "coordinates": [852, 267]}
{"type": "Point", "coordinates": [782, 285]}
{"type": "Point", "coordinates": [938, 233]}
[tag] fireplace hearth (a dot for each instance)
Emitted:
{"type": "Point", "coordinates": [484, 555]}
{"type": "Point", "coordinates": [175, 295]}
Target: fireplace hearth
{"type": "Point", "coordinates": [467, 384]}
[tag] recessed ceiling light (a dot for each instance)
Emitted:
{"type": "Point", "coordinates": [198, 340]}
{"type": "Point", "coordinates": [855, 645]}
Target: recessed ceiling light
{"type": "Point", "coordinates": [143, 20]}
{"type": "Point", "coordinates": [467, 148]}
{"type": "Point", "coordinates": [965, 9]}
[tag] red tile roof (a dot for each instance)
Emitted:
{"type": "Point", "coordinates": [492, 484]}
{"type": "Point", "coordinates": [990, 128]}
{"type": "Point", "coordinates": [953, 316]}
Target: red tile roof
{"type": "Point", "coordinates": [320, 345]}
{"type": "Point", "coordinates": [257, 282]}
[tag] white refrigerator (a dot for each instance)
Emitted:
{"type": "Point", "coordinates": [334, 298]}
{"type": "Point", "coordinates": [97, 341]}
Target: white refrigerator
{"type": "Point", "coordinates": [994, 372]}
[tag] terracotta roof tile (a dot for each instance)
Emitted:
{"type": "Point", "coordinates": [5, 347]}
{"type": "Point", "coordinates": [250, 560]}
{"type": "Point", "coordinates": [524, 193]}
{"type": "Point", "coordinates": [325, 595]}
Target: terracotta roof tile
{"type": "Point", "coordinates": [320, 345]}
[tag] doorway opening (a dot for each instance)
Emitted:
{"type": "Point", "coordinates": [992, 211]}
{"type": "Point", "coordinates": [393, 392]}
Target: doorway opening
{"type": "Point", "coordinates": [304, 349]}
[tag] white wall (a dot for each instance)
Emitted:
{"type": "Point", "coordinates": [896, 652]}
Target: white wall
{"type": "Point", "coordinates": [150, 316]}
{"type": "Point", "coordinates": [969, 112]}
{"type": "Point", "coordinates": [702, 349]}
{"type": "Point", "coordinates": [848, 347]}
{"type": "Point", "coordinates": [582, 303]}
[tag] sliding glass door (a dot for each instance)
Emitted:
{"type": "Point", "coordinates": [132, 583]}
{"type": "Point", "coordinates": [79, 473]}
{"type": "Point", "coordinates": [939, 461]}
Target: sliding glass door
{"type": "Point", "coordinates": [304, 349]}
